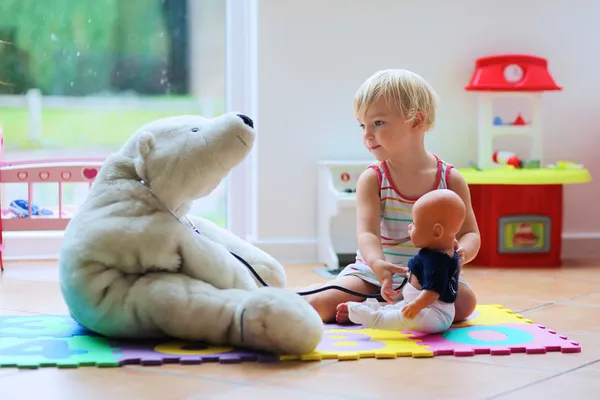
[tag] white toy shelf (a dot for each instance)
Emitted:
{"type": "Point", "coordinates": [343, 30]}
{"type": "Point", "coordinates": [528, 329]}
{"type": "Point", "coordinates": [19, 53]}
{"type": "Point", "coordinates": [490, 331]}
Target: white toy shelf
{"type": "Point", "coordinates": [336, 192]}
{"type": "Point", "coordinates": [489, 126]}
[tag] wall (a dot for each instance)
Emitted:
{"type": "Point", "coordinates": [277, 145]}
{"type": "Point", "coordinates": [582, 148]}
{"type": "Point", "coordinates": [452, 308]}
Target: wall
{"type": "Point", "coordinates": [313, 55]}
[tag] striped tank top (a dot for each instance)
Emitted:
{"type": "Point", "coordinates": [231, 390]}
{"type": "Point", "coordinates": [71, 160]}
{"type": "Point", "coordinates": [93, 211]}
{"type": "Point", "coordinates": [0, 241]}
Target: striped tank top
{"type": "Point", "coordinates": [396, 213]}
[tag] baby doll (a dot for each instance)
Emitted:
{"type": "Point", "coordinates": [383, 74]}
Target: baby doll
{"type": "Point", "coordinates": [429, 294]}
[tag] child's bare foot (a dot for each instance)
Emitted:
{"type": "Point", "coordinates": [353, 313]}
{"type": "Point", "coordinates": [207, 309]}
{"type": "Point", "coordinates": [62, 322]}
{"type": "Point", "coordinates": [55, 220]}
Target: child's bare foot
{"type": "Point", "coordinates": [341, 315]}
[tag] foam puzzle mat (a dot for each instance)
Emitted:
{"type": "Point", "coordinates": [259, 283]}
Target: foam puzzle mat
{"type": "Point", "coordinates": [58, 341]}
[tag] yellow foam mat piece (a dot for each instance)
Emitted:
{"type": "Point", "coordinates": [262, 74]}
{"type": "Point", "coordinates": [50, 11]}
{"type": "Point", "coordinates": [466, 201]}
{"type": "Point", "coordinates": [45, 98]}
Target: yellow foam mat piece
{"type": "Point", "coordinates": [353, 343]}
{"type": "Point", "coordinates": [493, 314]}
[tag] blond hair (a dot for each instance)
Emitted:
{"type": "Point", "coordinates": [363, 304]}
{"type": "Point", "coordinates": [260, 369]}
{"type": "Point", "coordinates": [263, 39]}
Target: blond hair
{"type": "Point", "coordinates": [403, 91]}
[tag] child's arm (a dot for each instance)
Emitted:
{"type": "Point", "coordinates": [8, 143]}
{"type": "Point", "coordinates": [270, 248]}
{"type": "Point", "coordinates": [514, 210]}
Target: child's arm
{"type": "Point", "coordinates": [368, 209]}
{"type": "Point", "coordinates": [468, 237]}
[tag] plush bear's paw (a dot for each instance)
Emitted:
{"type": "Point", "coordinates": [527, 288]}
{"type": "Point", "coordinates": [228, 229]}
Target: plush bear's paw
{"type": "Point", "coordinates": [272, 273]}
{"type": "Point", "coordinates": [278, 320]}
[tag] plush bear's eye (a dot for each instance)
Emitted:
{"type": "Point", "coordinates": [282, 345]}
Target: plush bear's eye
{"type": "Point", "coordinates": [195, 129]}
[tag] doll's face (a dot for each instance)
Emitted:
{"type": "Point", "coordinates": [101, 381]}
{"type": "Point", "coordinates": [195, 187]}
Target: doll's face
{"type": "Point", "coordinates": [420, 234]}
{"type": "Point", "coordinates": [437, 217]}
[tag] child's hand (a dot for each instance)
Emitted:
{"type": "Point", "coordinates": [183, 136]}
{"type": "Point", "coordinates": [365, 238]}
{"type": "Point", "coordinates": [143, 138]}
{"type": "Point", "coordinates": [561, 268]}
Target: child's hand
{"type": "Point", "coordinates": [410, 310]}
{"type": "Point", "coordinates": [461, 253]}
{"type": "Point", "coordinates": [387, 291]}
{"type": "Point", "coordinates": [385, 273]}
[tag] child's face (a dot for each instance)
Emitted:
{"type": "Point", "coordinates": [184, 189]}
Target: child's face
{"type": "Point", "coordinates": [385, 131]}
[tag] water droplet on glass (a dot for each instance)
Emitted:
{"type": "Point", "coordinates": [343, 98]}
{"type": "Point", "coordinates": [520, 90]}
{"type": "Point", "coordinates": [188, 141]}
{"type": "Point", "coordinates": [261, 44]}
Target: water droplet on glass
{"type": "Point", "coordinates": [78, 54]}
{"type": "Point", "coordinates": [89, 20]}
{"type": "Point", "coordinates": [53, 37]}
{"type": "Point", "coordinates": [71, 84]}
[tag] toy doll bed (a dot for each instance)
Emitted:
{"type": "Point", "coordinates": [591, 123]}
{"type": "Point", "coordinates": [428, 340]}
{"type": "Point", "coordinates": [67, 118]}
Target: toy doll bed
{"type": "Point", "coordinates": [21, 213]}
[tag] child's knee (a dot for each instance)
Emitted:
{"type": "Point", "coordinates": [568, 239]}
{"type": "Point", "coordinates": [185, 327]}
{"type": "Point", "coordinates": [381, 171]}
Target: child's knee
{"type": "Point", "coordinates": [465, 302]}
{"type": "Point", "coordinates": [322, 305]}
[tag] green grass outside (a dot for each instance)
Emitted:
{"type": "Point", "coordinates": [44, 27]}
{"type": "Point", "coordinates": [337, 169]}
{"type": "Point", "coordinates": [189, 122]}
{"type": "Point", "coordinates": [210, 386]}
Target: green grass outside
{"type": "Point", "coordinates": [219, 219]}
{"type": "Point", "coordinates": [69, 129]}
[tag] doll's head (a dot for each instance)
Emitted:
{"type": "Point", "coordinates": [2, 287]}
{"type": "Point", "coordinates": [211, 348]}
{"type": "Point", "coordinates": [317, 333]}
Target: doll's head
{"type": "Point", "coordinates": [437, 217]}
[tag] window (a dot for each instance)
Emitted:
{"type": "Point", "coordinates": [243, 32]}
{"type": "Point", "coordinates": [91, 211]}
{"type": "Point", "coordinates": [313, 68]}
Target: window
{"type": "Point", "coordinates": [81, 76]}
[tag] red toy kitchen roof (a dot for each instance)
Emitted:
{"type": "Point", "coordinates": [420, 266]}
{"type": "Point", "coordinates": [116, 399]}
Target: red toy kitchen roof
{"type": "Point", "coordinates": [530, 74]}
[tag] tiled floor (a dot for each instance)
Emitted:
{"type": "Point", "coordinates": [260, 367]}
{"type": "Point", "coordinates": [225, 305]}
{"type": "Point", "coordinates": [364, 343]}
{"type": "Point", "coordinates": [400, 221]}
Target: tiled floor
{"type": "Point", "coordinates": [566, 300]}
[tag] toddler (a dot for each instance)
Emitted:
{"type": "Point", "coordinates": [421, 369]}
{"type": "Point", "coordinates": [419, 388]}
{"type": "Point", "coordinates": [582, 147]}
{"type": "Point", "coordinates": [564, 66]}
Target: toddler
{"type": "Point", "coordinates": [395, 108]}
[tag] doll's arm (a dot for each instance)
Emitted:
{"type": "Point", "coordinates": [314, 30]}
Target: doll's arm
{"type": "Point", "coordinates": [468, 237]}
{"type": "Point", "coordinates": [424, 299]}
{"type": "Point", "coordinates": [436, 280]}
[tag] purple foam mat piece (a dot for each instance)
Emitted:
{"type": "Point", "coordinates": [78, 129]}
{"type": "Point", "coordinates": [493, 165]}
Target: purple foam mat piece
{"type": "Point", "coordinates": [162, 352]}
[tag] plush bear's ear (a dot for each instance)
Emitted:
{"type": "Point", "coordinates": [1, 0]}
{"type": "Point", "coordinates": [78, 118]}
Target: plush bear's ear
{"type": "Point", "coordinates": [145, 144]}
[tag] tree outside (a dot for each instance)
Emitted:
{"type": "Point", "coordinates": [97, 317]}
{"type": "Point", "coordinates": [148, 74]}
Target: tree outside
{"type": "Point", "coordinates": [101, 69]}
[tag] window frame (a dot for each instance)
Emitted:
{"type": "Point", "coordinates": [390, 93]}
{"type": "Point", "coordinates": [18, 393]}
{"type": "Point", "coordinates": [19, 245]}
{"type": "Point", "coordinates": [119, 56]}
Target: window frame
{"type": "Point", "coordinates": [241, 96]}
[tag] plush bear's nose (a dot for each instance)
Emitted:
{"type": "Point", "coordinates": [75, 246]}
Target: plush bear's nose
{"type": "Point", "coordinates": [246, 120]}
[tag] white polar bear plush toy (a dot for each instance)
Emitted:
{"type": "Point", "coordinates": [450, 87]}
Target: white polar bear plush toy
{"type": "Point", "coordinates": [133, 265]}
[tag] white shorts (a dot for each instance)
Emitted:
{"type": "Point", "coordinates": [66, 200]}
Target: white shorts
{"type": "Point", "coordinates": [432, 319]}
{"type": "Point", "coordinates": [365, 273]}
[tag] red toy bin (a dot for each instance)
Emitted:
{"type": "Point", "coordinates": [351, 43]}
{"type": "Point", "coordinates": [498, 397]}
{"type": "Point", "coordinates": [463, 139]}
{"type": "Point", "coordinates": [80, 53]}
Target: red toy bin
{"type": "Point", "coordinates": [520, 225]}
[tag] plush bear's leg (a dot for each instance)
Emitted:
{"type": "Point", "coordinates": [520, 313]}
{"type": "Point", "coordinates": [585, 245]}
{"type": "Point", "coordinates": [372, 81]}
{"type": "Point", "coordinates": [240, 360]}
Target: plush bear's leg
{"type": "Point", "coordinates": [269, 269]}
{"type": "Point", "coordinates": [269, 319]}
{"type": "Point", "coordinates": [276, 319]}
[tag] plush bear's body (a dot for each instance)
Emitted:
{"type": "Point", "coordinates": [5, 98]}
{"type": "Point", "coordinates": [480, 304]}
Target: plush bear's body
{"type": "Point", "coordinates": [132, 266]}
